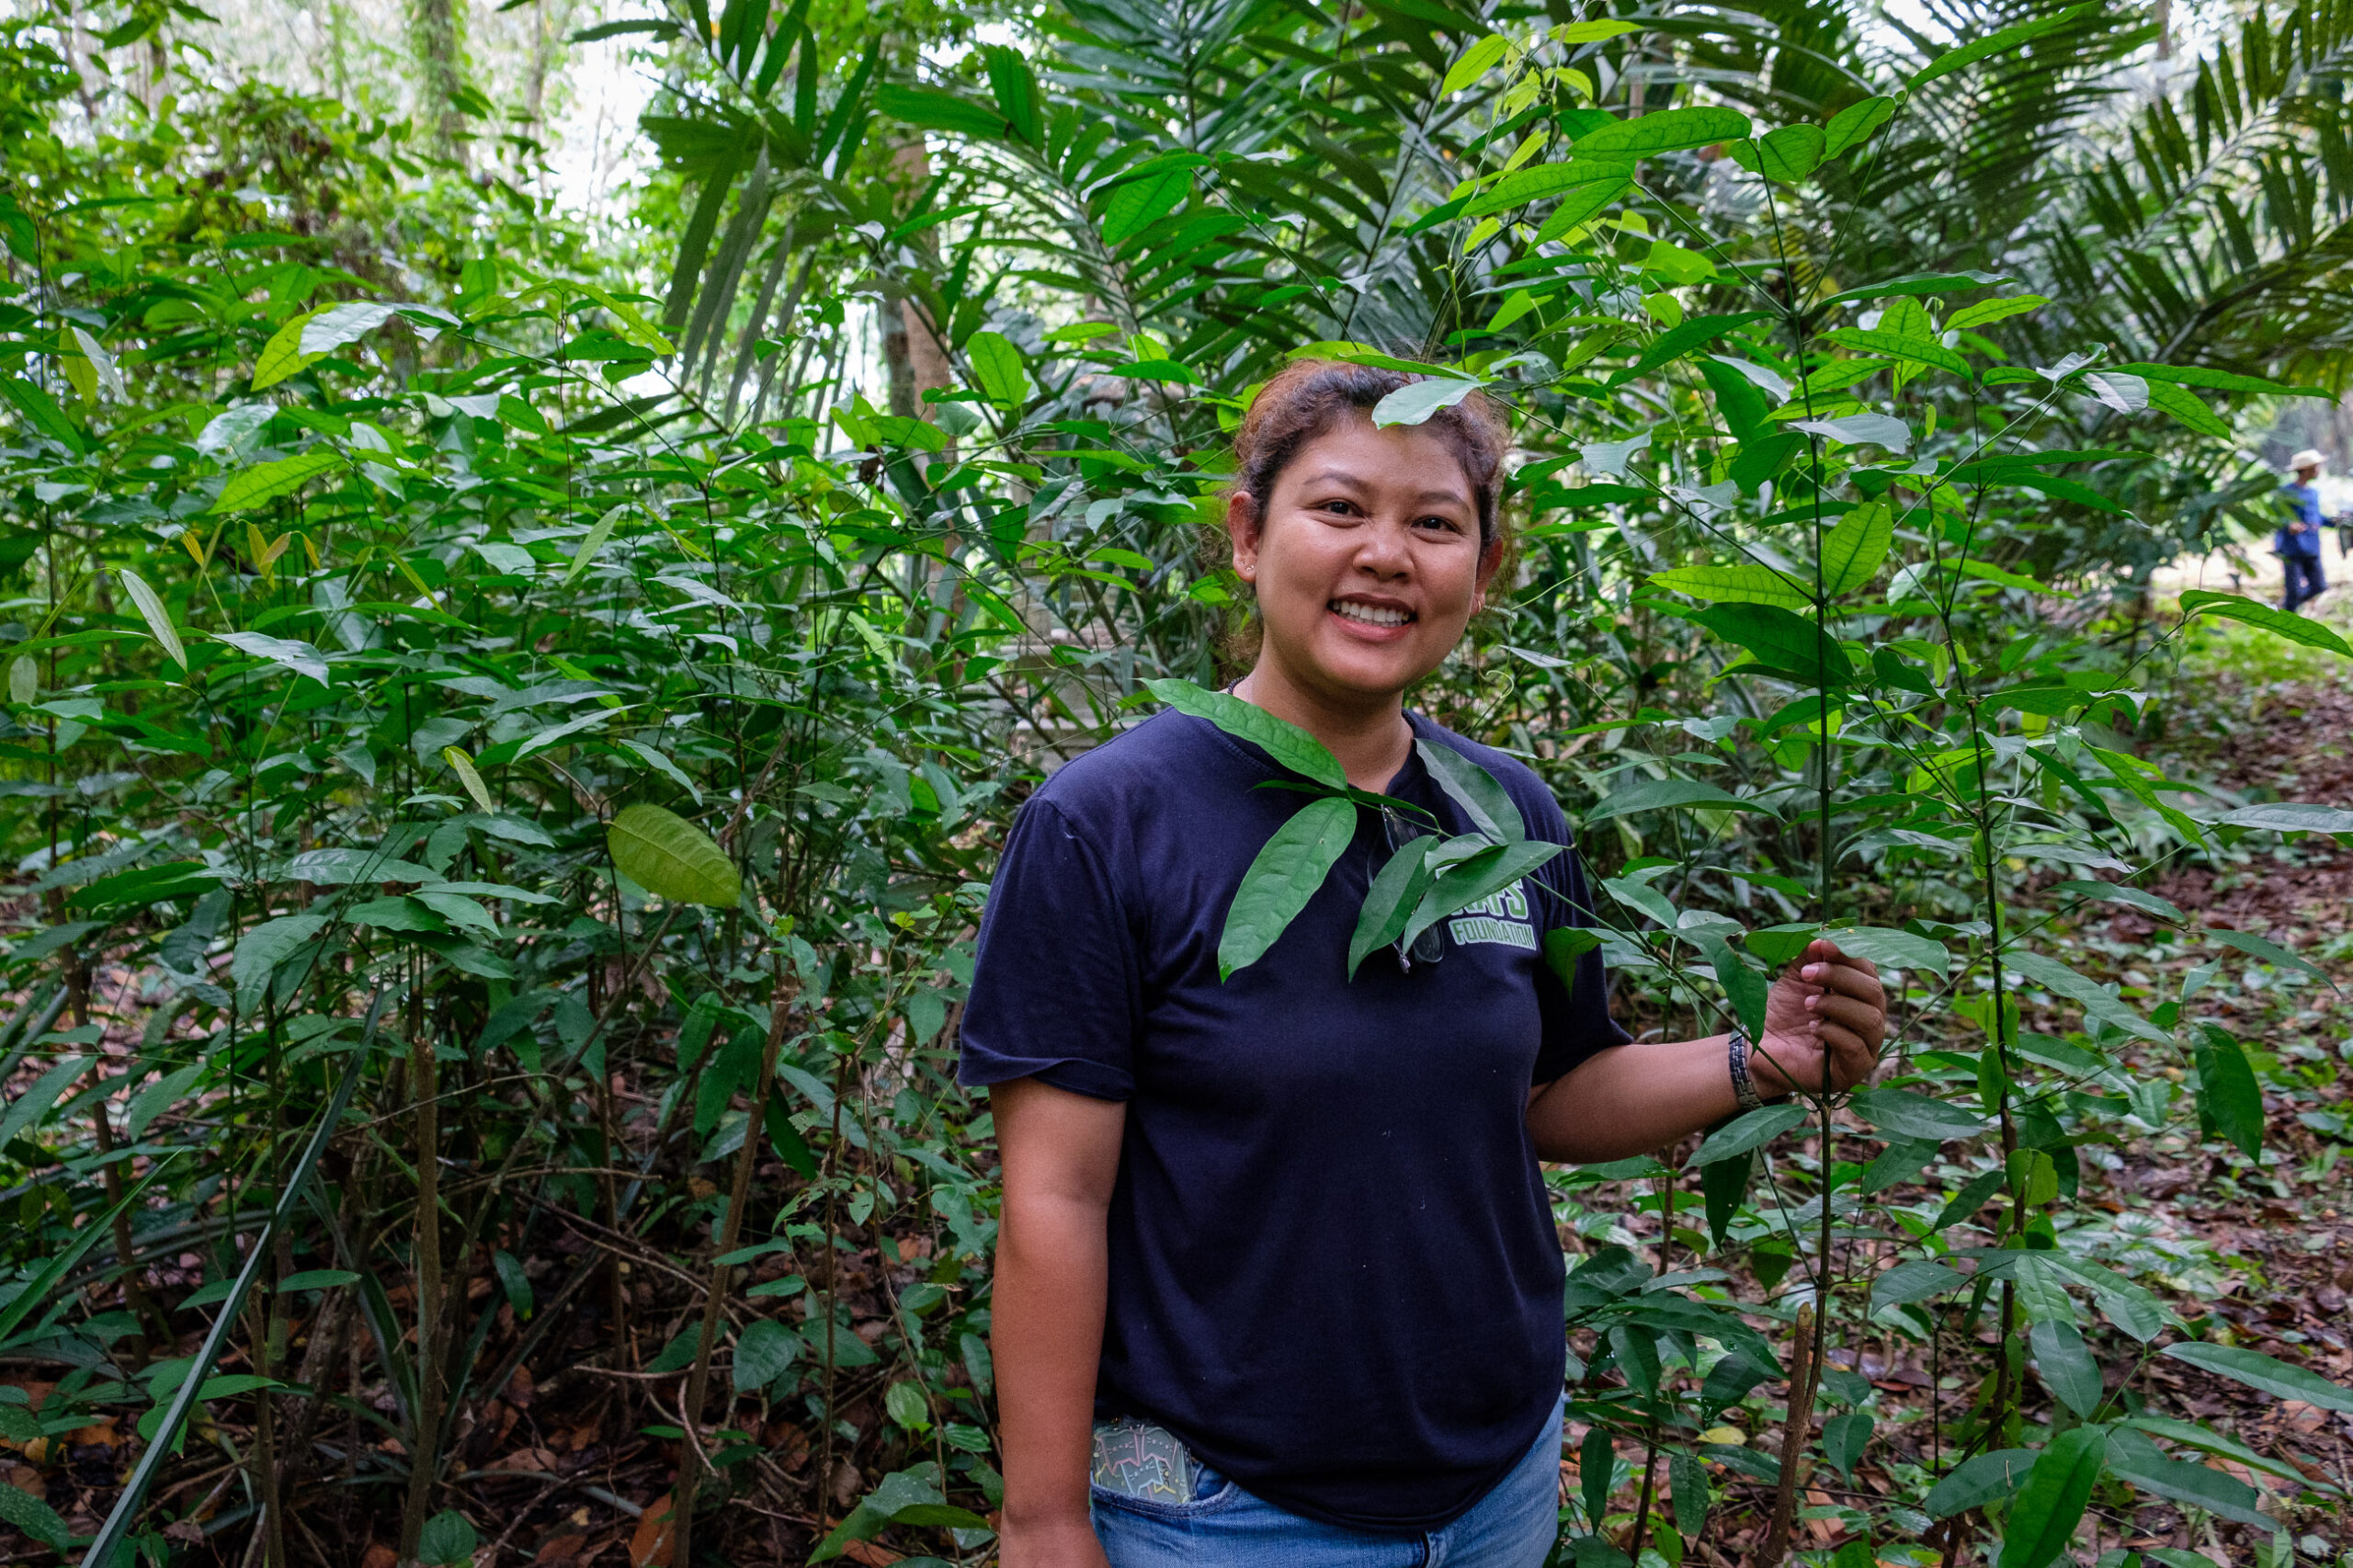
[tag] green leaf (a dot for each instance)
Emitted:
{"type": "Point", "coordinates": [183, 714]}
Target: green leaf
{"type": "Point", "coordinates": [1970, 1199]}
{"type": "Point", "coordinates": [904, 1404]}
{"type": "Point", "coordinates": [446, 1538]}
{"type": "Point", "coordinates": [41, 411]}
{"type": "Point", "coordinates": [936, 111]}
{"type": "Point", "coordinates": [1988, 1478]}
{"type": "Point", "coordinates": [1745, 583]}
{"type": "Point", "coordinates": [35, 1517]}
{"type": "Point", "coordinates": [1467, 881]}
{"type": "Point", "coordinates": [1537, 184]}
{"type": "Point", "coordinates": [1564, 946]}
{"type": "Point", "coordinates": [1852, 126]}
{"type": "Point", "coordinates": [1895, 346]}
{"type": "Point", "coordinates": [318, 1279]}
{"type": "Point", "coordinates": [672, 858]}
{"type": "Point", "coordinates": [2229, 1101]}
{"type": "Point", "coordinates": [2279, 623]}
{"type": "Point", "coordinates": [1787, 155]}
{"type": "Point", "coordinates": [764, 1352]}
{"type": "Point", "coordinates": [1416, 401]}
{"type": "Point", "coordinates": [1015, 88]}
{"type": "Point", "coordinates": [470, 777]}
{"type": "Point", "coordinates": [1968, 54]}
{"type": "Point", "coordinates": [1883, 945]}
{"type": "Point", "coordinates": [2217, 381]}
{"type": "Point", "coordinates": [1785, 644]}
{"type": "Point", "coordinates": [1844, 1438]}
{"type": "Point", "coordinates": [151, 610]}
{"type": "Point", "coordinates": [287, 653]}
{"type": "Point", "coordinates": [1915, 1279]}
{"type": "Point", "coordinates": [591, 543]}
{"type": "Point", "coordinates": [2095, 1000]}
{"type": "Point", "coordinates": [998, 366]}
{"type": "Point", "coordinates": [1476, 61]}
{"type": "Point", "coordinates": [1749, 1131]}
{"type": "Point", "coordinates": [1747, 989]}
{"type": "Point", "coordinates": [1851, 552]}
{"type": "Point", "coordinates": [1669, 131]}
{"type": "Point", "coordinates": [269, 944]}
{"type": "Point", "coordinates": [1860, 430]}
{"type": "Point", "coordinates": [31, 1105]}
{"type": "Point", "coordinates": [1582, 206]}
{"type": "Point", "coordinates": [2270, 952]}
{"type": "Point", "coordinates": [1290, 746]}
{"type": "Point", "coordinates": [2290, 817]}
{"type": "Point", "coordinates": [1395, 893]}
{"type": "Point", "coordinates": [1146, 195]}
{"type": "Point", "coordinates": [1661, 794]}
{"type": "Point", "coordinates": [2185, 407]}
{"type": "Point", "coordinates": [1283, 877]}
{"type": "Point", "coordinates": [267, 482]}
{"type": "Point", "coordinates": [1480, 794]}
{"type": "Point", "coordinates": [2133, 1459]}
{"type": "Point", "coordinates": [2066, 1367]}
{"type": "Point", "coordinates": [1723, 1186]}
{"type": "Point", "coordinates": [2051, 1505]}
{"type": "Point", "coordinates": [1916, 1116]}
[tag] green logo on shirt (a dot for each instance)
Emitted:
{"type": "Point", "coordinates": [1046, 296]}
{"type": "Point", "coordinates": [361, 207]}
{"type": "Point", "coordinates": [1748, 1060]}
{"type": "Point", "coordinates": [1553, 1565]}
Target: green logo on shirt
{"type": "Point", "coordinates": [1500, 917]}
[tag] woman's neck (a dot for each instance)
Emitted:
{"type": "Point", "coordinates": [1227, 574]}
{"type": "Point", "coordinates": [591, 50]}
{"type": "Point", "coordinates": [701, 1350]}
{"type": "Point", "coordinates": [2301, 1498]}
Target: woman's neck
{"type": "Point", "coordinates": [1371, 740]}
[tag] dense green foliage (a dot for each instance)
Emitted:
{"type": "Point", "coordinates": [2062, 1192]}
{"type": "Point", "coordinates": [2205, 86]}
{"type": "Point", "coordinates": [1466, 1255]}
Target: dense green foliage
{"type": "Point", "coordinates": [504, 766]}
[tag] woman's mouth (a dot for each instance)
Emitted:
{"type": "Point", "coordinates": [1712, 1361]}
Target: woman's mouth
{"type": "Point", "coordinates": [1373, 615]}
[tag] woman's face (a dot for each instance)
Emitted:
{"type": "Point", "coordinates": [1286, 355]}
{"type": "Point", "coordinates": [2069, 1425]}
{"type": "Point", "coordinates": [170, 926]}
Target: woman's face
{"type": "Point", "coordinates": [1366, 559]}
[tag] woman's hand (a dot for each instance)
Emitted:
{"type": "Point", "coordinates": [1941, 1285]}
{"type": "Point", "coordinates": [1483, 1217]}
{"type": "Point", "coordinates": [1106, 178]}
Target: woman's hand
{"type": "Point", "coordinates": [1062, 1543]}
{"type": "Point", "coordinates": [1825, 1013]}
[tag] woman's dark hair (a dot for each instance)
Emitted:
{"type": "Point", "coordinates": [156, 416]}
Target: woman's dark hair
{"type": "Point", "coordinates": [1309, 397]}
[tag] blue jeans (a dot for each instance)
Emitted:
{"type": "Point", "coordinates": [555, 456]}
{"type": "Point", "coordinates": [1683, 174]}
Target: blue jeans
{"type": "Point", "coordinates": [2314, 582]}
{"type": "Point", "coordinates": [1514, 1525]}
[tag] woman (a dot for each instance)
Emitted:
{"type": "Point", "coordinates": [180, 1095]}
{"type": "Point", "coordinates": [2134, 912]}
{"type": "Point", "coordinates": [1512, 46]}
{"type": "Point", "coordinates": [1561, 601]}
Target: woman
{"type": "Point", "coordinates": [1278, 1280]}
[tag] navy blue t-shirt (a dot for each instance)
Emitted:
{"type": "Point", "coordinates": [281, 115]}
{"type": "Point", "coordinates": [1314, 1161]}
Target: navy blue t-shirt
{"type": "Point", "coordinates": [1333, 1272]}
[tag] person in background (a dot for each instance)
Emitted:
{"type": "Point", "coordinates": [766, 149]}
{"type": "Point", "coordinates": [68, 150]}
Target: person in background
{"type": "Point", "coordinates": [2298, 538]}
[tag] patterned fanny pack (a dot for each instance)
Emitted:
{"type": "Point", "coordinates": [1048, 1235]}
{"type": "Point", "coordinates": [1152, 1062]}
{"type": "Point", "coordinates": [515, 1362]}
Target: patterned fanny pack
{"type": "Point", "coordinates": [1136, 1459]}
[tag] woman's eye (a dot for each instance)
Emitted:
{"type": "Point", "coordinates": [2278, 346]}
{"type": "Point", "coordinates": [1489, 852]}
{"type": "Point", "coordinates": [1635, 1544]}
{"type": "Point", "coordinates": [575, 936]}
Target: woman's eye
{"type": "Point", "coordinates": [1446, 524]}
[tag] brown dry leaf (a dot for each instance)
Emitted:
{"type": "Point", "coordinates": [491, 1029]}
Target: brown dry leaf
{"type": "Point", "coordinates": [378, 1555]}
{"type": "Point", "coordinates": [650, 1547]}
{"type": "Point", "coordinates": [27, 1480]}
{"type": "Point", "coordinates": [868, 1554]}
{"type": "Point", "coordinates": [528, 1459]}
{"type": "Point", "coordinates": [558, 1549]}
{"type": "Point", "coordinates": [519, 1388]}
{"type": "Point", "coordinates": [99, 1432]}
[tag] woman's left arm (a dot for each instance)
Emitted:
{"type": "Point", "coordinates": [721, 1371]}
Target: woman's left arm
{"type": "Point", "coordinates": [1826, 1018]}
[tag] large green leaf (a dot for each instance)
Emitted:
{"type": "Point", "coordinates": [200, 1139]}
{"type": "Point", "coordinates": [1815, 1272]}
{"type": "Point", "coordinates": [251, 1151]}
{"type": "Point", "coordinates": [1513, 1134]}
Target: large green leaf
{"type": "Point", "coordinates": [1389, 903]}
{"type": "Point", "coordinates": [1851, 552]}
{"type": "Point", "coordinates": [1669, 131]}
{"type": "Point", "coordinates": [1784, 642]}
{"type": "Point", "coordinates": [1480, 794]}
{"type": "Point", "coordinates": [672, 858]}
{"type": "Point", "coordinates": [1537, 184]}
{"type": "Point", "coordinates": [1787, 155]}
{"type": "Point", "coordinates": [151, 610]}
{"type": "Point", "coordinates": [1988, 1478]}
{"type": "Point", "coordinates": [1285, 874]}
{"type": "Point", "coordinates": [2066, 1366]}
{"type": "Point", "coordinates": [2132, 1457]}
{"type": "Point", "coordinates": [2230, 1102]}
{"type": "Point", "coordinates": [1290, 746]}
{"type": "Point", "coordinates": [1467, 881]}
{"type": "Point", "coordinates": [1145, 195]}
{"type": "Point", "coordinates": [1895, 346]}
{"type": "Point", "coordinates": [1916, 1116]}
{"type": "Point", "coordinates": [2260, 1371]}
{"type": "Point", "coordinates": [267, 482]}
{"type": "Point", "coordinates": [1749, 1131]}
{"type": "Point", "coordinates": [1660, 794]}
{"type": "Point", "coordinates": [1414, 403]}
{"type": "Point", "coordinates": [998, 366]}
{"type": "Point", "coordinates": [2051, 1505]}
{"type": "Point", "coordinates": [2270, 618]}
{"type": "Point", "coordinates": [41, 411]}
{"type": "Point", "coordinates": [1743, 583]}
{"type": "Point", "coordinates": [1915, 1279]}
{"type": "Point", "coordinates": [1968, 54]}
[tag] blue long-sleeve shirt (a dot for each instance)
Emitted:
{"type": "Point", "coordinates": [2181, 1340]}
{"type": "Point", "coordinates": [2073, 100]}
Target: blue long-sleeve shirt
{"type": "Point", "coordinates": [2299, 534]}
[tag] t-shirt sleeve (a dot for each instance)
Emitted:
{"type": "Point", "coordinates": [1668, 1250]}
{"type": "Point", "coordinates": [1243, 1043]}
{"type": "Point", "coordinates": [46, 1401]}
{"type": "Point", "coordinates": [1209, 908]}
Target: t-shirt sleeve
{"type": "Point", "coordinates": [1575, 1019]}
{"type": "Point", "coordinates": [1056, 994]}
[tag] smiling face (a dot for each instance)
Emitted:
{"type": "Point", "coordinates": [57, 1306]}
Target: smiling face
{"type": "Point", "coordinates": [1366, 562]}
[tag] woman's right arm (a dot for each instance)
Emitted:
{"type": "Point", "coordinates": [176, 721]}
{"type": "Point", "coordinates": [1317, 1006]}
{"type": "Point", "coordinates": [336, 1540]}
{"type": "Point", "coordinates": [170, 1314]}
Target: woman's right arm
{"type": "Point", "coordinates": [1061, 1157]}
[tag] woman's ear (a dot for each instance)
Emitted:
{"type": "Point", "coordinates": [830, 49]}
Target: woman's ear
{"type": "Point", "coordinates": [1242, 528]}
{"type": "Point", "coordinates": [1490, 558]}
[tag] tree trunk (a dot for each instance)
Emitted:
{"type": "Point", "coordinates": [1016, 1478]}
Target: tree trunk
{"type": "Point", "coordinates": [434, 26]}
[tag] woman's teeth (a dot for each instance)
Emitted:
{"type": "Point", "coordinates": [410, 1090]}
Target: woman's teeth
{"type": "Point", "coordinates": [1370, 615]}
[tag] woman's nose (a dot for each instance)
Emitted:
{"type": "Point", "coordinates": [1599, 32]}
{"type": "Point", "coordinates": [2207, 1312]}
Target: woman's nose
{"type": "Point", "coordinates": [1385, 550]}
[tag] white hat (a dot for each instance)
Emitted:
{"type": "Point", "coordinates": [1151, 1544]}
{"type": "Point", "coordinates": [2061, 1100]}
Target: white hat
{"type": "Point", "coordinates": [2306, 459]}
